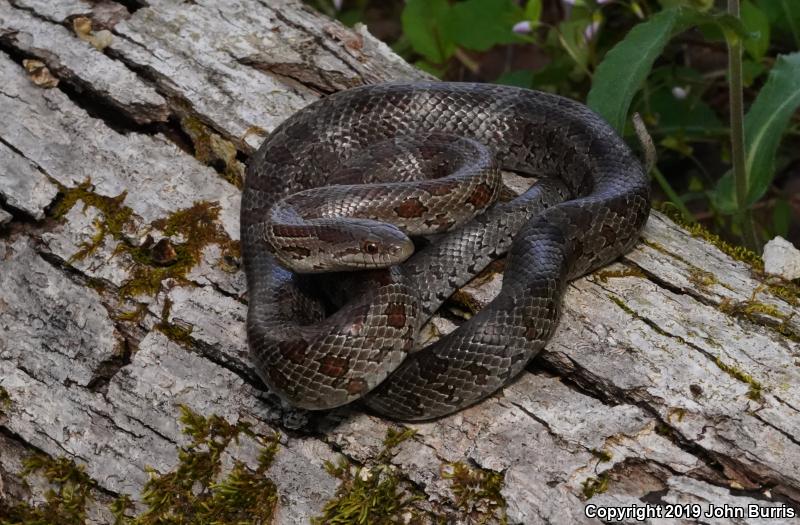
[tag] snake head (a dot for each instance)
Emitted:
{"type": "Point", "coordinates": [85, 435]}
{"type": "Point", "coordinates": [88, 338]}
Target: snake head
{"type": "Point", "coordinates": [373, 244]}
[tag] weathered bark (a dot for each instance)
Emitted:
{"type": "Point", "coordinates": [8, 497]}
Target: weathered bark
{"type": "Point", "coordinates": [674, 376]}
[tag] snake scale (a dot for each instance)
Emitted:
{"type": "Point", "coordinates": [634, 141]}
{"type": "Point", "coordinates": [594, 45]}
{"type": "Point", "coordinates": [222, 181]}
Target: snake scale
{"type": "Point", "coordinates": [587, 208]}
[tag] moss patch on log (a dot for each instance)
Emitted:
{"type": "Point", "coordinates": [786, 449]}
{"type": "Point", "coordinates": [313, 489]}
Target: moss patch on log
{"type": "Point", "coordinates": [196, 227]}
{"type": "Point", "coordinates": [756, 389]}
{"type": "Point", "coordinates": [65, 501]}
{"type": "Point", "coordinates": [478, 492]}
{"type": "Point", "coordinates": [695, 229]}
{"type": "Point", "coordinates": [213, 150]}
{"type": "Point", "coordinates": [194, 493]}
{"type": "Point", "coordinates": [371, 494]}
{"type": "Point", "coordinates": [593, 486]}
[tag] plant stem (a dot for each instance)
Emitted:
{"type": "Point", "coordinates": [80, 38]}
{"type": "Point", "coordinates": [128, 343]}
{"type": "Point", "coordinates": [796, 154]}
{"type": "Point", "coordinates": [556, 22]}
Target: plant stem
{"type": "Point", "coordinates": [672, 195]}
{"type": "Point", "coordinates": [740, 175]}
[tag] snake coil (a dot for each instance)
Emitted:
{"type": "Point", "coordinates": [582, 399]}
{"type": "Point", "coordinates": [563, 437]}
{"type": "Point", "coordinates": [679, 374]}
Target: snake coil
{"type": "Point", "coordinates": [590, 204]}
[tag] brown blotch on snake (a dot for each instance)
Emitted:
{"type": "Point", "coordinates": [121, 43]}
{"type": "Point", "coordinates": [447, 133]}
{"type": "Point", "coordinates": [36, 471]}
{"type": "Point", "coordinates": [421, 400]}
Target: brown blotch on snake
{"type": "Point", "coordinates": [587, 208]}
{"type": "Point", "coordinates": [396, 315]}
{"type": "Point", "coordinates": [410, 208]}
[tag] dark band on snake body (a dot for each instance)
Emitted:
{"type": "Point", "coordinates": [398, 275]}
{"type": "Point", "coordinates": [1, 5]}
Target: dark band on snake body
{"type": "Point", "coordinates": [316, 361]}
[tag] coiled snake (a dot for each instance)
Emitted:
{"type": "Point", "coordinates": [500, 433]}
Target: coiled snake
{"type": "Point", "coordinates": [590, 203]}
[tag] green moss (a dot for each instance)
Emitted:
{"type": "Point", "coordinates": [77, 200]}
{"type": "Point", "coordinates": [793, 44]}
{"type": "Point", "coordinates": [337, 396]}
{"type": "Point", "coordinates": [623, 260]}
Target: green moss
{"type": "Point", "coordinates": [695, 229]}
{"type": "Point", "coordinates": [211, 149]}
{"type": "Point", "coordinates": [755, 312]}
{"type": "Point", "coordinates": [662, 429]}
{"type": "Point", "coordinates": [733, 308]}
{"type": "Point", "coordinates": [191, 493]}
{"type": "Point", "coordinates": [625, 308]}
{"type": "Point", "coordinates": [602, 455]}
{"type": "Point", "coordinates": [592, 486]}
{"type": "Point", "coordinates": [66, 500]}
{"type": "Point", "coordinates": [132, 316]}
{"type": "Point", "coordinates": [697, 276]}
{"type": "Point", "coordinates": [394, 438]}
{"type": "Point", "coordinates": [657, 329]}
{"type": "Point", "coordinates": [788, 291]}
{"type": "Point", "coordinates": [120, 508]}
{"type": "Point", "coordinates": [178, 334]}
{"type": "Point", "coordinates": [370, 494]}
{"type": "Point", "coordinates": [115, 214]}
{"type": "Point", "coordinates": [701, 278]}
{"type": "Point", "coordinates": [605, 275]}
{"type": "Point", "coordinates": [198, 225]}
{"type": "Point", "coordinates": [478, 492]}
{"type": "Point", "coordinates": [756, 389]}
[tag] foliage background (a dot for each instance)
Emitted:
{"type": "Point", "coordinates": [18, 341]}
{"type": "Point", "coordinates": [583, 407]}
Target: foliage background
{"type": "Point", "coordinates": [557, 46]}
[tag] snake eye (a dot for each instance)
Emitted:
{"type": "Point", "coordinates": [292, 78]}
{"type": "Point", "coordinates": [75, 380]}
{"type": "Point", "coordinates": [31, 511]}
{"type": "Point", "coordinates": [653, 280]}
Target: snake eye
{"type": "Point", "coordinates": [370, 247]}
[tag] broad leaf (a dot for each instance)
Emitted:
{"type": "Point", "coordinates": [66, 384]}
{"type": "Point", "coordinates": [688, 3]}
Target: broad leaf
{"type": "Point", "coordinates": [625, 68]}
{"type": "Point", "coordinates": [757, 24]}
{"type": "Point", "coordinates": [689, 116]}
{"type": "Point", "coordinates": [703, 5]}
{"type": "Point", "coordinates": [784, 15]}
{"type": "Point", "coordinates": [766, 121]}
{"type": "Point", "coordinates": [482, 24]}
{"type": "Point", "coordinates": [723, 196]}
{"type": "Point", "coordinates": [533, 11]}
{"type": "Point", "coordinates": [426, 25]}
{"type": "Point", "coordinates": [519, 78]}
{"type": "Point", "coordinates": [627, 65]}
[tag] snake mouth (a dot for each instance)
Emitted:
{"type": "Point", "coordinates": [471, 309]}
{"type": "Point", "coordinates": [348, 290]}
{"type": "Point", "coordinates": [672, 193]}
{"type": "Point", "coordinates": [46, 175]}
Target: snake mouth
{"type": "Point", "coordinates": [400, 252]}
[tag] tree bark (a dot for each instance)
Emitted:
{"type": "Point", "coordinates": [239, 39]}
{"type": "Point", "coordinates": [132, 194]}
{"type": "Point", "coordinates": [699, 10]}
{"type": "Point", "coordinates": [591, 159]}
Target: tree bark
{"type": "Point", "coordinates": [674, 376]}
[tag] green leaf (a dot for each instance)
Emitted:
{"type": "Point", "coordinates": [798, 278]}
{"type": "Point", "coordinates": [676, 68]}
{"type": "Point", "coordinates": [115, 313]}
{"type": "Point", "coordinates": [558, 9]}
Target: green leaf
{"type": "Point", "coordinates": [757, 24]}
{"type": "Point", "coordinates": [784, 15]}
{"type": "Point", "coordinates": [751, 71]}
{"type": "Point", "coordinates": [571, 37]}
{"type": "Point", "coordinates": [781, 217]}
{"type": "Point", "coordinates": [702, 5]}
{"type": "Point", "coordinates": [426, 25]}
{"type": "Point", "coordinates": [627, 65]}
{"type": "Point", "coordinates": [766, 121]}
{"type": "Point", "coordinates": [689, 116]}
{"type": "Point", "coordinates": [556, 76]}
{"type": "Point", "coordinates": [533, 11]}
{"type": "Point", "coordinates": [519, 78]}
{"type": "Point", "coordinates": [723, 197]}
{"type": "Point", "coordinates": [481, 24]}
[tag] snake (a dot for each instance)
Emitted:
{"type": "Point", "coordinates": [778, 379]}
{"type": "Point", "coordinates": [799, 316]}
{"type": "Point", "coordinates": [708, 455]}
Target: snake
{"type": "Point", "coordinates": [335, 198]}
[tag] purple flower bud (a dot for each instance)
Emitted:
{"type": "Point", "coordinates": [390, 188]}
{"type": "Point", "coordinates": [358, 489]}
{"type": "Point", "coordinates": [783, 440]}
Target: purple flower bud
{"type": "Point", "coordinates": [522, 28]}
{"type": "Point", "coordinates": [337, 4]}
{"type": "Point", "coordinates": [591, 30]}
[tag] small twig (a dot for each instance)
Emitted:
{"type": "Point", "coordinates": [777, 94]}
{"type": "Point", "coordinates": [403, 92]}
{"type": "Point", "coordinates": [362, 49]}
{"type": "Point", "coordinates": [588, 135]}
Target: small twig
{"type": "Point", "coordinates": [646, 141]}
{"type": "Point", "coordinates": [467, 62]}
